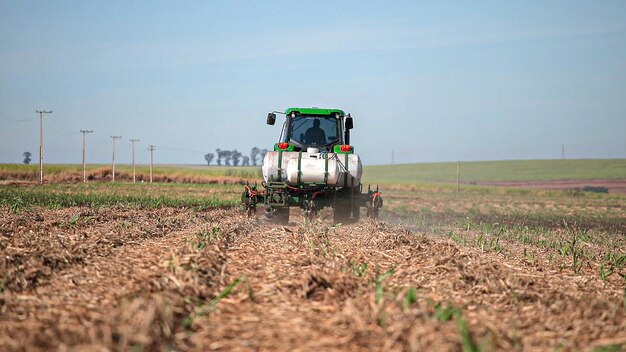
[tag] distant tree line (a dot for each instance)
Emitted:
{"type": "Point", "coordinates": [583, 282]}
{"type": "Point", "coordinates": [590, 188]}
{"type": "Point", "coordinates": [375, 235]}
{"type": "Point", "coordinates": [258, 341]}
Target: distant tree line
{"type": "Point", "coordinates": [235, 157]}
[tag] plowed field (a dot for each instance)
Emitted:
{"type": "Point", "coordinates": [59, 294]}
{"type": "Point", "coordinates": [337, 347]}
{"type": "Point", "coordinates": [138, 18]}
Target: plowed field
{"type": "Point", "coordinates": [157, 279]}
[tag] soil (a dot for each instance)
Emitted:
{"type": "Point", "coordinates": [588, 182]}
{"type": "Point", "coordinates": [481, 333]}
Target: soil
{"type": "Point", "coordinates": [105, 175]}
{"type": "Point", "coordinates": [159, 279]}
{"type": "Point", "coordinates": [612, 186]}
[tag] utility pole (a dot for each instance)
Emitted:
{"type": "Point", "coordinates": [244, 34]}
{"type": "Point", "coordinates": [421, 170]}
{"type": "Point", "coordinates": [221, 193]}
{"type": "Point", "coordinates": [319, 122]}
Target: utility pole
{"type": "Point", "coordinates": [133, 143]}
{"type": "Point", "coordinates": [151, 148]}
{"type": "Point", "coordinates": [113, 164]}
{"type": "Point", "coordinates": [562, 151]}
{"type": "Point", "coordinates": [41, 143]}
{"type": "Point", "coordinates": [84, 132]}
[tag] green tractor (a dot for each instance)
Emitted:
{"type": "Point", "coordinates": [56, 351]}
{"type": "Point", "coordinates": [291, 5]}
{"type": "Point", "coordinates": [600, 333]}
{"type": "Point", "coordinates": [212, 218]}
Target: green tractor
{"type": "Point", "coordinates": [313, 166]}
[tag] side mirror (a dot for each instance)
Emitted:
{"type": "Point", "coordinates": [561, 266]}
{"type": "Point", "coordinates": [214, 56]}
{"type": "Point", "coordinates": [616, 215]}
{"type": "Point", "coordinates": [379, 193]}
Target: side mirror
{"type": "Point", "coordinates": [349, 122]}
{"type": "Point", "coordinates": [271, 118]}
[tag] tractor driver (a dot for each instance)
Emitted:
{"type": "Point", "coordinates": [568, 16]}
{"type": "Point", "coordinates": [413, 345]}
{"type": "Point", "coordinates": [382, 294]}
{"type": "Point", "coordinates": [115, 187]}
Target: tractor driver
{"type": "Point", "coordinates": [315, 135]}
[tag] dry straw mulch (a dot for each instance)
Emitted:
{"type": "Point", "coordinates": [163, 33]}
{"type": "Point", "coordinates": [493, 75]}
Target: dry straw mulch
{"type": "Point", "coordinates": [160, 279]}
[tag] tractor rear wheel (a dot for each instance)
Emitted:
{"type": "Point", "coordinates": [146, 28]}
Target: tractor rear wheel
{"type": "Point", "coordinates": [372, 210]}
{"type": "Point", "coordinates": [276, 215]}
{"type": "Point", "coordinates": [346, 213]}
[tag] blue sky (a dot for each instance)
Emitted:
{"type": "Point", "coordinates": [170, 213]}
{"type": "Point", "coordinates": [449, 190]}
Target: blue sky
{"type": "Point", "coordinates": [432, 81]}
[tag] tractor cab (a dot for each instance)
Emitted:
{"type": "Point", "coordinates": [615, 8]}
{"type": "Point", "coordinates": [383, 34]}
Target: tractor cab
{"type": "Point", "coordinates": [313, 128]}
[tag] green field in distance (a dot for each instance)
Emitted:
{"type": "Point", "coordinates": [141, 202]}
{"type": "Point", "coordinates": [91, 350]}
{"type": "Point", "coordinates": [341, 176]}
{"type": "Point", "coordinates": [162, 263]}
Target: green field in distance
{"type": "Point", "coordinates": [510, 170]}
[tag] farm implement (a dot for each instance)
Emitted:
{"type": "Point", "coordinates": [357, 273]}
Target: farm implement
{"type": "Point", "coordinates": [313, 166]}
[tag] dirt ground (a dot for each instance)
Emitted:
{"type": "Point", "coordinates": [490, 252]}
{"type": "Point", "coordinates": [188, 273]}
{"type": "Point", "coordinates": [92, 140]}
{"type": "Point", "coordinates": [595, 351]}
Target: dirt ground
{"type": "Point", "coordinates": [105, 175]}
{"type": "Point", "coordinates": [161, 279]}
{"type": "Point", "coordinates": [612, 186]}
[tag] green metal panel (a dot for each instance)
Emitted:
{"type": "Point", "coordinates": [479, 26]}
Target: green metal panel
{"type": "Point", "coordinates": [347, 173]}
{"type": "Point", "coordinates": [326, 168]}
{"type": "Point", "coordinates": [315, 111]}
{"type": "Point", "coordinates": [299, 166]}
{"type": "Point", "coordinates": [280, 165]}
{"type": "Point", "coordinates": [337, 150]}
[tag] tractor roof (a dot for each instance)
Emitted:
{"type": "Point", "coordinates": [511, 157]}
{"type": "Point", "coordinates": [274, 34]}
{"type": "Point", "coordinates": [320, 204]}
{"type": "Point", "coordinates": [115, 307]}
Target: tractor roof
{"type": "Point", "coordinates": [314, 111]}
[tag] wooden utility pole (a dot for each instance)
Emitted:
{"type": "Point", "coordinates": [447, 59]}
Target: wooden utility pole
{"type": "Point", "coordinates": [113, 163]}
{"type": "Point", "coordinates": [151, 148]}
{"type": "Point", "coordinates": [132, 141]}
{"type": "Point", "coordinates": [41, 143]}
{"type": "Point", "coordinates": [84, 132]}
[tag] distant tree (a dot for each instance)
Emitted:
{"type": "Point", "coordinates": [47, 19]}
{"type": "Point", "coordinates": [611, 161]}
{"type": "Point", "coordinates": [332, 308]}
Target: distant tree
{"type": "Point", "coordinates": [227, 156]}
{"type": "Point", "coordinates": [262, 153]}
{"type": "Point", "coordinates": [209, 157]}
{"type": "Point", "coordinates": [235, 157]}
{"type": "Point", "coordinates": [254, 153]}
{"type": "Point", "coordinates": [246, 161]}
{"type": "Point", "coordinates": [27, 156]}
{"type": "Point", "coordinates": [219, 154]}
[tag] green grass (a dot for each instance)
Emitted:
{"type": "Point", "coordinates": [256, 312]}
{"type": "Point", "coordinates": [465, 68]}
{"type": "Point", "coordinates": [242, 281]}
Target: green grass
{"type": "Point", "coordinates": [109, 194]}
{"type": "Point", "coordinates": [513, 170]}
{"type": "Point", "coordinates": [568, 230]}
{"type": "Point", "coordinates": [508, 207]}
{"type": "Point", "coordinates": [169, 170]}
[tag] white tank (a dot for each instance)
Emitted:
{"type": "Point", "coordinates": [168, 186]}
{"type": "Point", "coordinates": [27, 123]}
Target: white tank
{"type": "Point", "coordinates": [312, 168]}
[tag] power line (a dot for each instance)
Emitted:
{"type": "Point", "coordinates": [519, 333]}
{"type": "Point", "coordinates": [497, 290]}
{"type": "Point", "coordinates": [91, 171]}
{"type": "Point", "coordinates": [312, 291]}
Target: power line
{"type": "Point", "coordinates": [182, 150]}
{"type": "Point", "coordinates": [84, 132]}
{"type": "Point", "coordinates": [10, 119]}
{"type": "Point", "coordinates": [100, 139]}
{"type": "Point", "coordinates": [41, 142]}
{"type": "Point", "coordinates": [61, 130]}
{"type": "Point", "coordinates": [16, 120]}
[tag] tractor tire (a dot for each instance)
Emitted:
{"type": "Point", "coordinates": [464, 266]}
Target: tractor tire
{"type": "Point", "coordinates": [276, 215]}
{"type": "Point", "coordinates": [312, 214]}
{"type": "Point", "coordinates": [372, 213]}
{"type": "Point", "coordinates": [248, 204]}
{"type": "Point", "coordinates": [344, 213]}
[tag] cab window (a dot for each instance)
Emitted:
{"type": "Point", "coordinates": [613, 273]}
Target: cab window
{"type": "Point", "coordinates": [314, 130]}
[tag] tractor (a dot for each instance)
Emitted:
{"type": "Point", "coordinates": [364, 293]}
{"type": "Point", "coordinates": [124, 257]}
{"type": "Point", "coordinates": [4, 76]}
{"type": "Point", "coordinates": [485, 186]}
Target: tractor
{"type": "Point", "coordinates": [312, 166]}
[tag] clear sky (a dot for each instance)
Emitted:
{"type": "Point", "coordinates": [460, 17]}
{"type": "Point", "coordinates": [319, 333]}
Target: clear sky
{"type": "Point", "coordinates": [432, 81]}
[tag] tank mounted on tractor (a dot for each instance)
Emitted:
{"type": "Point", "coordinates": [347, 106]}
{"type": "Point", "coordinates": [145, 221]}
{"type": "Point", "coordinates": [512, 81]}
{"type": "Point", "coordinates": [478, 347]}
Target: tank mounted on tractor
{"type": "Point", "coordinates": [313, 166]}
